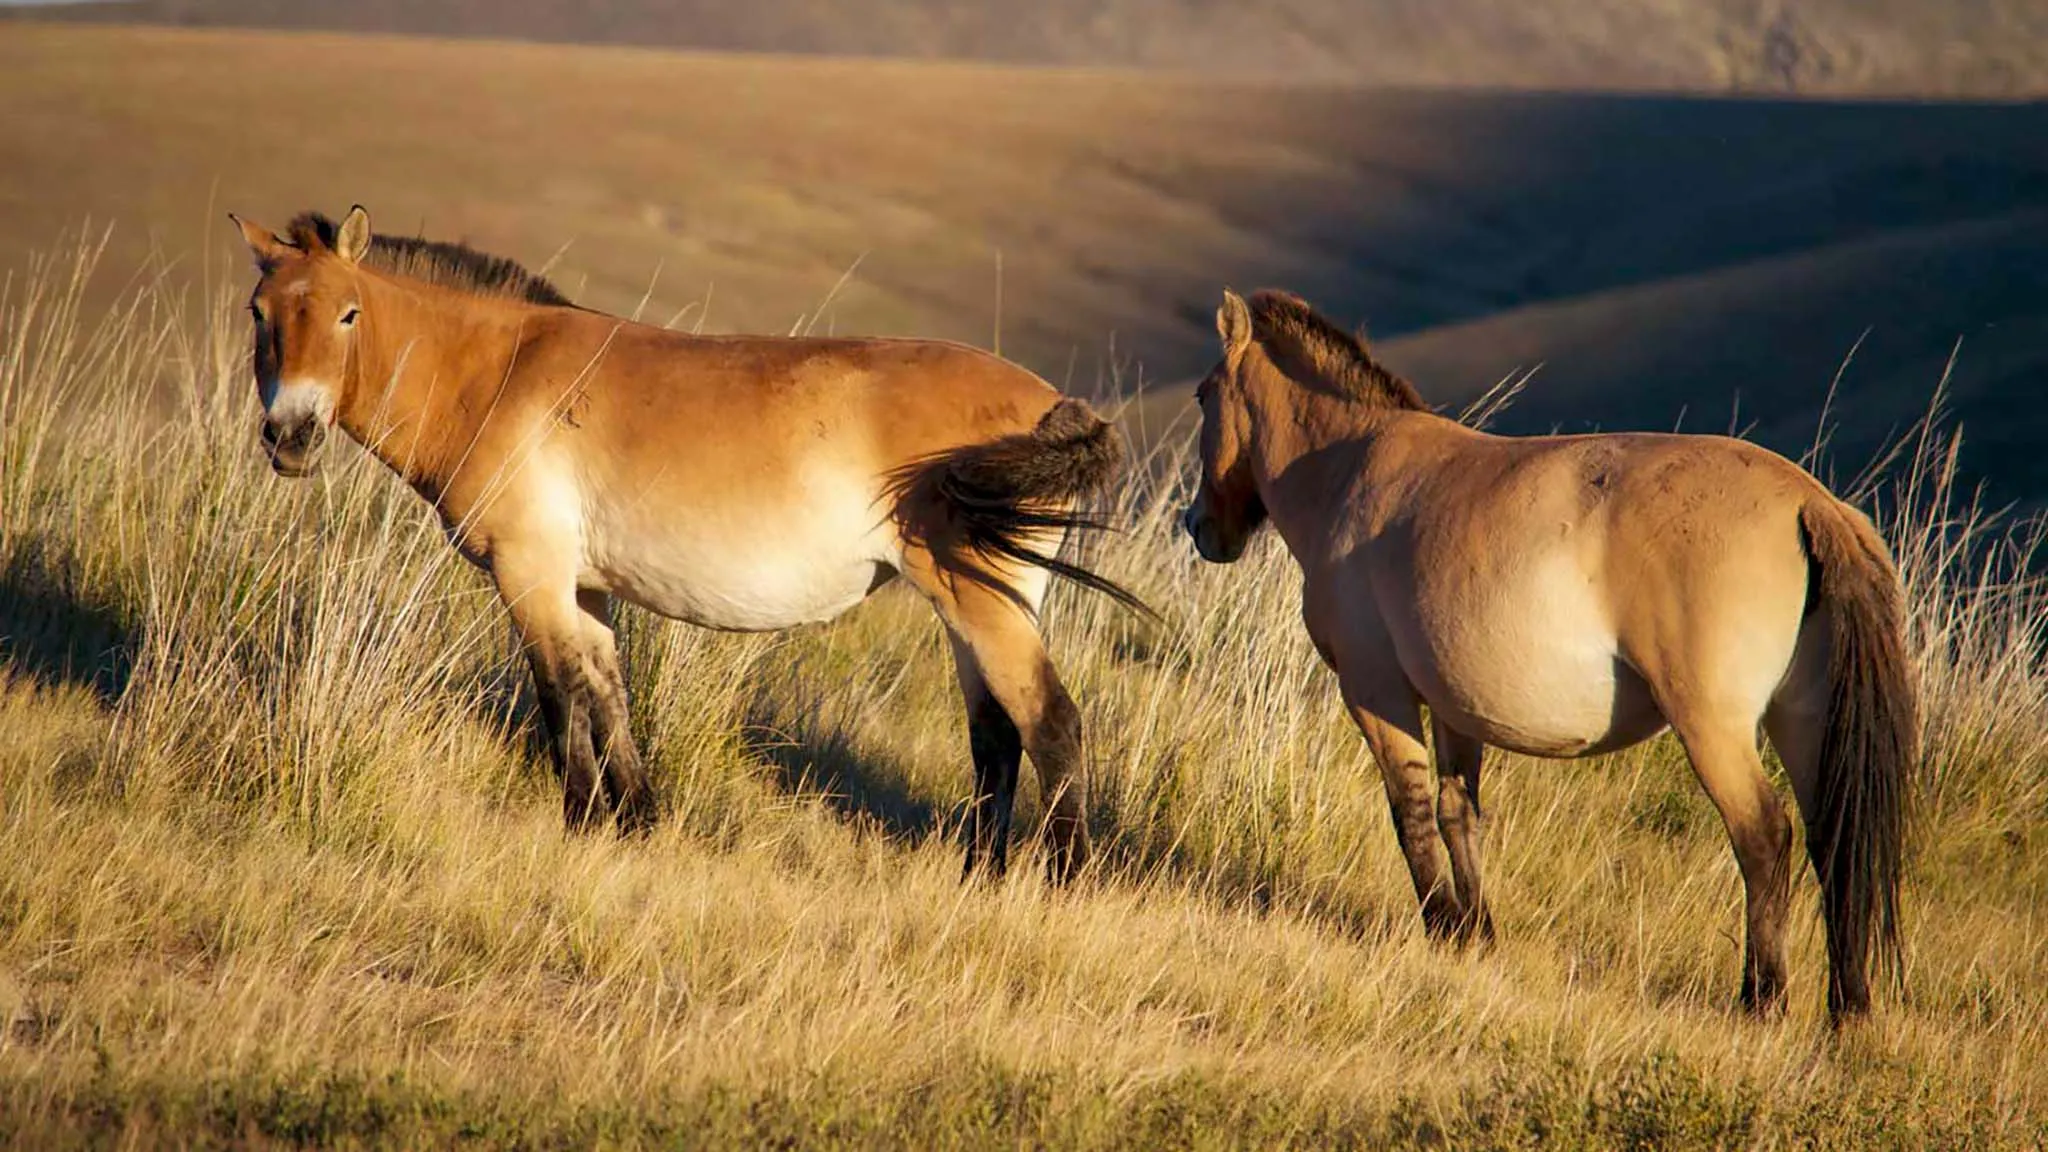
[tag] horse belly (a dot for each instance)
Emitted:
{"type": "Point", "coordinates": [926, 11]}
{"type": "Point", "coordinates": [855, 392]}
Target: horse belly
{"type": "Point", "coordinates": [1561, 705]}
{"type": "Point", "coordinates": [1537, 670]}
{"type": "Point", "coordinates": [747, 572]}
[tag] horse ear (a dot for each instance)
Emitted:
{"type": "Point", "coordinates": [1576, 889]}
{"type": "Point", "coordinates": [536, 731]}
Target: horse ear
{"type": "Point", "coordinates": [352, 240]}
{"type": "Point", "coordinates": [263, 243]}
{"type": "Point", "coordinates": [1233, 323]}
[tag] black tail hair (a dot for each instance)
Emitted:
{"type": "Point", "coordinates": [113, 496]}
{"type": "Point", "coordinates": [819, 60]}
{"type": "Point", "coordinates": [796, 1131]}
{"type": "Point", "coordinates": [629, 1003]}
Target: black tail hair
{"type": "Point", "coordinates": [1002, 493]}
{"type": "Point", "coordinates": [1868, 754]}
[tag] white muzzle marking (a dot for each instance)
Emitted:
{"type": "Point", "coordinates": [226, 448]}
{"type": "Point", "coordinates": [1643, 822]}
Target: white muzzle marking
{"type": "Point", "coordinates": [291, 402]}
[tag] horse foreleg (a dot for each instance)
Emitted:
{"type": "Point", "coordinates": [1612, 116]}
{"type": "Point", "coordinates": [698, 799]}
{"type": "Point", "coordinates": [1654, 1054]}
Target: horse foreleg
{"type": "Point", "coordinates": [610, 726]}
{"type": "Point", "coordinates": [1391, 722]}
{"type": "Point", "coordinates": [567, 718]}
{"type": "Point", "coordinates": [1458, 760]}
{"type": "Point", "coordinates": [550, 630]}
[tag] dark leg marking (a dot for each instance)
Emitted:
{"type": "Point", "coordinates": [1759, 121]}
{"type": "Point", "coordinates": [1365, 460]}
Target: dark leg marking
{"type": "Point", "coordinates": [998, 751]}
{"type": "Point", "coordinates": [568, 719]}
{"type": "Point", "coordinates": [1062, 781]}
{"type": "Point", "coordinates": [1458, 821]}
{"type": "Point", "coordinates": [611, 726]}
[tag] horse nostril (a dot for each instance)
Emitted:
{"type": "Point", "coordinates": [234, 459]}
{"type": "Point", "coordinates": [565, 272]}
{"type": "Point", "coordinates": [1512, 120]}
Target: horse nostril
{"type": "Point", "coordinates": [297, 439]}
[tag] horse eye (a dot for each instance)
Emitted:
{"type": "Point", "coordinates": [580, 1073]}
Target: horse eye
{"type": "Point", "coordinates": [256, 311]}
{"type": "Point", "coordinates": [349, 317]}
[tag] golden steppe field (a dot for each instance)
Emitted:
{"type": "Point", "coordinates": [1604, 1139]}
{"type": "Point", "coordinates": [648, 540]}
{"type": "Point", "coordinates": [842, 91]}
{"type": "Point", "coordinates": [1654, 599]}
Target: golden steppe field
{"type": "Point", "coordinates": [280, 863]}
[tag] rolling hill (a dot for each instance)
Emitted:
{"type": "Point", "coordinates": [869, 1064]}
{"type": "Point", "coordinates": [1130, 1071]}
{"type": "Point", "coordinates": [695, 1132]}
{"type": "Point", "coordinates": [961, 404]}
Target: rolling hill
{"type": "Point", "coordinates": [1899, 47]}
{"type": "Point", "coordinates": [1657, 254]}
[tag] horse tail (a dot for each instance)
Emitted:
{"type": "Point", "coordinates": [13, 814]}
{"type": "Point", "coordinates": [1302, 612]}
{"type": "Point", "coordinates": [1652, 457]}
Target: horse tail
{"type": "Point", "coordinates": [1004, 496]}
{"type": "Point", "coordinates": [1868, 750]}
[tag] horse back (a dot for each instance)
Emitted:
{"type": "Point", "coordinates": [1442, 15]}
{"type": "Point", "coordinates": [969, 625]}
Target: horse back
{"type": "Point", "coordinates": [767, 398]}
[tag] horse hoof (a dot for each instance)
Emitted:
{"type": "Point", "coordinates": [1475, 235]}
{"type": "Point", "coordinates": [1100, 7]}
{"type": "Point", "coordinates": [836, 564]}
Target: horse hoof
{"type": "Point", "coordinates": [1763, 999]}
{"type": "Point", "coordinates": [985, 865]}
{"type": "Point", "coordinates": [1479, 934]}
{"type": "Point", "coordinates": [1446, 923]}
{"type": "Point", "coordinates": [1065, 863]}
{"type": "Point", "coordinates": [636, 820]}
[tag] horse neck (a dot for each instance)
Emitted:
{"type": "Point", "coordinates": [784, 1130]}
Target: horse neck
{"type": "Point", "coordinates": [427, 355]}
{"type": "Point", "coordinates": [1307, 444]}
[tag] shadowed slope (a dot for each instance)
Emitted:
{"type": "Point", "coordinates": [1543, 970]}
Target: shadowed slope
{"type": "Point", "coordinates": [1757, 345]}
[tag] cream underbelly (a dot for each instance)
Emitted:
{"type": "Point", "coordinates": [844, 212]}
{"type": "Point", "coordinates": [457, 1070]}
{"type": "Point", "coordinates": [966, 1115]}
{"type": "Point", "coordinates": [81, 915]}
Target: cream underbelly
{"type": "Point", "coordinates": [1554, 704]}
{"type": "Point", "coordinates": [1536, 668]}
{"type": "Point", "coordinates": [742, 573]}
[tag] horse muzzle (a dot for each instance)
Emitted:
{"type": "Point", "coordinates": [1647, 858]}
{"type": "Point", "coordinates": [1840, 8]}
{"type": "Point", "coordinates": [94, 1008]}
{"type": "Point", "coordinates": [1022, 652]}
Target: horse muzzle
{"type": "Point", "coordinates": [294, 445]}
{"type": "Point", "coordinates": [1208, 538]}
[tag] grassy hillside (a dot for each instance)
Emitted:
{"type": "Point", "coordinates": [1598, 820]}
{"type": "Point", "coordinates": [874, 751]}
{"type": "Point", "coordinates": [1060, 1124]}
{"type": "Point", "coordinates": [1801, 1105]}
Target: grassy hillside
{"type": "Point", "coordinates": [1657, 255]}
{"type": "Point", "coordinates": [1896, 47]}
{"type": "Point", "coordinates": [282, 865]}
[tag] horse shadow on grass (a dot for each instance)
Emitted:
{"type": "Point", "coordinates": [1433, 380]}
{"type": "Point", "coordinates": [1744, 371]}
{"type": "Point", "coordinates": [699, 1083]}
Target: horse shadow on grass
{"type": "Point", "coordinates": [508, 705]}
{"type": "Point", "coordinates": [56, 637]}
{"type": "Point", "coordinates": [1143, 858]}
{"type": "Point", "coordinates": [807, 758]}
{"type": "Point", "coordinates": [804, 758]}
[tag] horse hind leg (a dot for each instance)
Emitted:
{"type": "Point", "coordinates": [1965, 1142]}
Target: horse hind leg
{"type": "Point", "coordinates": [997, 749]}
{"type": "Point", "coordinates": [1458, 820]}
{"type": "Point", "coordinates": [1795, 722]}
{"type": "Point", "coordinates": [993, 617]}
{"type": "Point", "coordinates": [1723, 749]}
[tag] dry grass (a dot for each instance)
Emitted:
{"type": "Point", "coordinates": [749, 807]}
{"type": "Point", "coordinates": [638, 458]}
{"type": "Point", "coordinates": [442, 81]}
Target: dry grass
{"type": "Point", "coordinates": [281, 866]}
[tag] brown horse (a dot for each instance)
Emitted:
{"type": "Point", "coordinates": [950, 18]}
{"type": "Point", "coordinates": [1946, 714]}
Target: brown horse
{"type": "Point", "coordinates": [1563, 596]}
{"type": "Point", "coordinates": [742, 483]}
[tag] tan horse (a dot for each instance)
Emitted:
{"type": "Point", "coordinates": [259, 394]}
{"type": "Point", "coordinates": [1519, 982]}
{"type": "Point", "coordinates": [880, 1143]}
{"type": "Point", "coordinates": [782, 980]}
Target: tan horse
{"type": "Point", "coordinates": [1563, 596]}
{"type": "Point", "coordinates": [741, 483]}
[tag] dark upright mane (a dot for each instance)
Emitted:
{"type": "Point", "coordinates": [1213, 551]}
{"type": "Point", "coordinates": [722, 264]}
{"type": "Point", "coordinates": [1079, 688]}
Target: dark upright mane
{"type": "Point", "coordinates": [435, 261]}
{"type": "Point", "coordinates": [1310, 348]}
